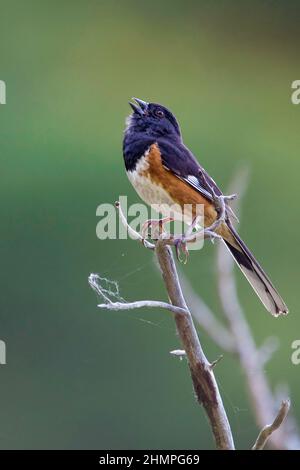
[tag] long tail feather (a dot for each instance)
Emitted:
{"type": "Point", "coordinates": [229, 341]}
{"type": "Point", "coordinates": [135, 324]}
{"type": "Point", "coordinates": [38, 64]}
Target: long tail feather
{"type": "Point", "coordinates": [255, 275]}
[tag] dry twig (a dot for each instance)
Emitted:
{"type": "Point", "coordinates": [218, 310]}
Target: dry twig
{"type": "Point", "coordinates": [268, 430]}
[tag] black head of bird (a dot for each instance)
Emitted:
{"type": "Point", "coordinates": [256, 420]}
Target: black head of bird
{"type": "Point", "coordinates": [153, 119]}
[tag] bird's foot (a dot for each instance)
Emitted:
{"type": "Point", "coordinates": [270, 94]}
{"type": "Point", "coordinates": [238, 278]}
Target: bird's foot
{"type": "Point", "coordinates": [153, 228]}
{"type": "Point", "coordinates": [181, 248]}
{"type": "Point", "coordinates": [181, 241]}
{"type": "Point", "coordinates": [221, 203]}
{"type": "Point", "coordinates": [229, 198]}
{"type": "Point", "coordinates": [192, 226]}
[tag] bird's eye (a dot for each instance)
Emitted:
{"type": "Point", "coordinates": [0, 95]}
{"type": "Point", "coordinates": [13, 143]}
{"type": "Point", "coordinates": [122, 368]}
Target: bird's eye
{"type": "Point", "coordinates": [159, 113]}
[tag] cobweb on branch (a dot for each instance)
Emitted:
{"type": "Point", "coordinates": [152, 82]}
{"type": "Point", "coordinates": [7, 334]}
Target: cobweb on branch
{"type": "Point", "coordinates": [107, 289]}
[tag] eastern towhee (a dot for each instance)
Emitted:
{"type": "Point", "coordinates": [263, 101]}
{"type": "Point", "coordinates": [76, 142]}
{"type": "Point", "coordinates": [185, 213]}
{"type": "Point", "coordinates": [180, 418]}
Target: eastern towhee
{"type": "Point", "coordinates": [164, 171]}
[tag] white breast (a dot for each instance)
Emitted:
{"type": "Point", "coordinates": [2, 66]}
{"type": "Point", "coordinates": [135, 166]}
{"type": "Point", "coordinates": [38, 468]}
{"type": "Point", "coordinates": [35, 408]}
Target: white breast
{"type": "Point", "coordinates": [154, 195]}
{"type": "Point", "coordinates": [150, 193]}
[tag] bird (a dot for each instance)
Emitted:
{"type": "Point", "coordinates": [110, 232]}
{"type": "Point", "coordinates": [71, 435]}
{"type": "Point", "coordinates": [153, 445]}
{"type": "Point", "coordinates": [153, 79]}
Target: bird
{"type": "Point", "coordinates": [163, 170]}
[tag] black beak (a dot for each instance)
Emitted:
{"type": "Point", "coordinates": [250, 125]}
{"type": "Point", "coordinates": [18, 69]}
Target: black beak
{"type": "Point", "coordinates": [139, 107]}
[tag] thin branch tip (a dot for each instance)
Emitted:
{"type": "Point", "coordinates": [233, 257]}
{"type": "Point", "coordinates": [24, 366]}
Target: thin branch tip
{"type": "Point", "coordinates": [179, 353]}
{"type": "Point", "coordinates": [268, 430]}
{"type": "Point", "coordinates": [216, 361]}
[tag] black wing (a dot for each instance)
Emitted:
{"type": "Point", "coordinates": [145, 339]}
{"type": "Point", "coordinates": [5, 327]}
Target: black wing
{"type": "Point", "coordinates": [181, 162]}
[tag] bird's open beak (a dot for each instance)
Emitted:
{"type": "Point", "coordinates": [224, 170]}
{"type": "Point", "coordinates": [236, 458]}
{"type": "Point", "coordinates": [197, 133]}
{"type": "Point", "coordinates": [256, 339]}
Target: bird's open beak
{"type": "Point", "coordinates": [139, 106]}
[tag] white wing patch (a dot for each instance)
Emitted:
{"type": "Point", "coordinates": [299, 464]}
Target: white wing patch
{"type": "Point", "coordinates": [195, 183]}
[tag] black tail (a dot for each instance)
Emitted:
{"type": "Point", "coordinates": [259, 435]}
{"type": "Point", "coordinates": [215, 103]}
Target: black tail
{"type": "Point", "coordinates": [256, 276]}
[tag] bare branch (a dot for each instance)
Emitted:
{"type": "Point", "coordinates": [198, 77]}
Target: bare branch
{"type": "Point", "coordinates": [216, 361]}
{"type": "Point", "coordinates": [142, 304]}
{"type": "Point", "coordinates": [178, 352]}
{"type": "Point", "coordinates": [204, 382]}
{"type": "Point", "coordinates": [205, 385]}
{"type": "Point", "coordinates": [266, 432]}
{"type": "Point", "coordinates": [206, 318]}
{"type": "Point", "coordinates": [135, 235]}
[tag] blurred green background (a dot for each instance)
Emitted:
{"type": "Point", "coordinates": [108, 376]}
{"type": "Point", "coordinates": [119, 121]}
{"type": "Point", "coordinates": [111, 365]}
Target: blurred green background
{"type": "Point", "coordinates": [78, 377]}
